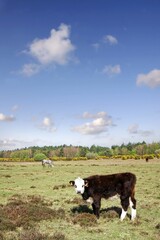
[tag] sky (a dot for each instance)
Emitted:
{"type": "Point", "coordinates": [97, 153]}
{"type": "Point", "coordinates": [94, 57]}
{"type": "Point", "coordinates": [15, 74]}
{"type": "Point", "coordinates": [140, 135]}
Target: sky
{"type": "Point", "coordinates": [79, 72]}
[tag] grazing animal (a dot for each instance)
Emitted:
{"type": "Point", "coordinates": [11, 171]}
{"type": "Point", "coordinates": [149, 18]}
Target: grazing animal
{"type": "Point", "coordinates": [147, 159]}
{"type": "Point", "coordinates": [95, 187]}
{"type": "Point", "coordinates": [47, 162]}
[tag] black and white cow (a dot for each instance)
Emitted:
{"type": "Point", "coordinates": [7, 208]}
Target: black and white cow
{"type": "Point", "coordinates": [95, 187]}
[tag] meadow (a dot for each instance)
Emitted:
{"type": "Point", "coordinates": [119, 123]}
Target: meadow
{"type": "Point", "coordinates": [38, 203]}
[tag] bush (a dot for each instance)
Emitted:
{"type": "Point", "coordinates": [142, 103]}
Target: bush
{"type": "Point", "coordinates": [91, 155]}
{"type": "Point", "coordinates": [39, 157]}
{"type": "Point", "coordinates": [124, 157]}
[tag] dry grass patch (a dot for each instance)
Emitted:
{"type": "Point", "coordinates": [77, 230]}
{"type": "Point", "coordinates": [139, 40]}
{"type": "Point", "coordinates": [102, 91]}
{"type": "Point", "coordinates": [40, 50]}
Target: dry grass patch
{"type": "Point", "coordinates": [35, 235]}
{"type": "Point", "coordinates": [85, 220]}
{"type": "Point", "coordinates": [26, 211]}
{"type": "Point", "coordinates": [75, 201]}
{"type": "Point", "coordinates": [111, 213]}
{"type": "Point", "coordinates": [61, 186]}
{"type": "Point", "coordinates": [32, 234]}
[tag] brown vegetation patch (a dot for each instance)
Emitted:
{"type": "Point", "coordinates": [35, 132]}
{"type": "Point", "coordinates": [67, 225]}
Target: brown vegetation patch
{"type": "Point", "coordinates": [75, 201]}
{"type": "Point", "coordinates": [110, 214]}
{"type": "Point", "coordinates": [26, 211]}
{"type": "Point", "coordinates": [113, 212]}
{"type": "Point", "coordinates": [35, 235]}
{"type": "Point", "coordinates": [136, 222]}
{"type": "Point", "coordinates": [158, 226]}
{"type": "Point", "coordinates": [58, 236]}
{"type": "Point", "coordinates": [60, 186]}
{"type": "Point", "coordinates": [32, 234]}
{"type": "Point", "coordinates": [7, 176]}
{"type": "Point", "coordinates": [1, 236]}
{"type": "Point", "coordinates": [143, 233]}
{"type": "Point", "coordinates": [85, 220]}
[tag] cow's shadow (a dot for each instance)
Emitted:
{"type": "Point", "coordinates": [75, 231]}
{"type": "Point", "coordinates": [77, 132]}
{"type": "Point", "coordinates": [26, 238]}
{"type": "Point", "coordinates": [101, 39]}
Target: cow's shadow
{"type": "Point", "coordinates": [82, 209]}
{"type": "Point", "coordinates": [87, 209]}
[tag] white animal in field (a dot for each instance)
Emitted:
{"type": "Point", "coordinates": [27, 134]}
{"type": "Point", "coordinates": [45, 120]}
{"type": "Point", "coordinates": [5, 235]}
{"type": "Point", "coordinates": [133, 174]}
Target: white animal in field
{"type": "Point", "coordinates": [47, 162]}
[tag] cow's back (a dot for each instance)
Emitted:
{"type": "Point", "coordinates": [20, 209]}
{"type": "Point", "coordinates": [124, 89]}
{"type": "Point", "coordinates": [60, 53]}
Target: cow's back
{"type": "Point", "coordinates": [109, 185]}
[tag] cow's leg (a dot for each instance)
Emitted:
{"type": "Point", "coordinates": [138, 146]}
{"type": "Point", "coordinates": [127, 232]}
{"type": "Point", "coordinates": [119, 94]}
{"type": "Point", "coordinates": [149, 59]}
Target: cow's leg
{"type": "Point", "coordinates": [96, 205]}
{"type": "Point", "coordinates": [132, 202]}
{"type": "Point", "coordinates": [125, 205]}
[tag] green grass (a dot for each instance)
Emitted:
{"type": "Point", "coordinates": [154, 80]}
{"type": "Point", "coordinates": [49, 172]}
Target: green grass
{"type": "Point", "coordinates": [39, 204]}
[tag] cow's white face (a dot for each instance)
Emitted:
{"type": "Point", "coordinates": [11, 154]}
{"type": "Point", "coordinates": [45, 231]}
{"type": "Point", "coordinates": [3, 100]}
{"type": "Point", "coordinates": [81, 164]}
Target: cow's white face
{"type": "Point", "coordinates": [79, 185]}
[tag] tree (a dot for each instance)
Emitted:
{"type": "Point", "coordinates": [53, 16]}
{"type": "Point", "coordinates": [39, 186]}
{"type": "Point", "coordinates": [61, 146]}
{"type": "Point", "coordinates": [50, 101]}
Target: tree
{"type": "Point", "coordinates": [61, 152]}
{"type": "Point", "coordinates": [70, 152]}
{"type": "Point", "coordinates": [93, 149]}
{"type": "Point", "coordinates": [140, 149]}
{"type": "Point", "coordinates": [83, 151]}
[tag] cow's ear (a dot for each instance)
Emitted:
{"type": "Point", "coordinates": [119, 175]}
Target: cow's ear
{"type": "Point", "coordinates": [71, 183]}
{"type": "Point", "coordinates": [86, 183]}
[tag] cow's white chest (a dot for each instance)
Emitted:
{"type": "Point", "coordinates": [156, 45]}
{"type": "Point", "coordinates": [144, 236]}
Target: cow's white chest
{"type": "Point", "coordinates": [89, 200]}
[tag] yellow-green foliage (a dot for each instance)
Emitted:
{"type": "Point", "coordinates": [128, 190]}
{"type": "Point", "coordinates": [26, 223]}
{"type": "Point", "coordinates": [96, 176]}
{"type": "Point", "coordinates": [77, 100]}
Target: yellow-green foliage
{"type": "Point", "coordinates": [16, 160]}
{"type": "Point", "coordinates": [122, 157]}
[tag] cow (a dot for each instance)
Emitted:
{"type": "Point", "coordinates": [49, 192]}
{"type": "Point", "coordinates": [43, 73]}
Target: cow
{"type": "Point", "coordinates": [95, 187]}
{"type": "Point", "coordinates": [47, 162]}
{"type": "Point", "coordinates": [147, 159]}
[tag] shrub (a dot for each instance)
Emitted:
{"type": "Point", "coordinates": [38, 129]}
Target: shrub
{"type": "Point", "coordinates": [91, 155]}
{"type": "Point", "coordinates": [137, 157]}
{"type": "Point", "coordinates": [39, 157]}
{"type": "Point", "coordinates": [124, 157]}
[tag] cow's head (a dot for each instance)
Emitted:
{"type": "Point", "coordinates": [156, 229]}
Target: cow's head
{"type": "Point", "coordinates": [79, 185]}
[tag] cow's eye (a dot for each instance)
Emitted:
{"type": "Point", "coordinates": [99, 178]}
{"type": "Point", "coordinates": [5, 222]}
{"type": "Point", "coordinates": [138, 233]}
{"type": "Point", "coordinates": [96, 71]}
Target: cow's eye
{"type": "Point", "coordinates": [82, 185]}
{"type": "Point", "coordinates": [75, 186]}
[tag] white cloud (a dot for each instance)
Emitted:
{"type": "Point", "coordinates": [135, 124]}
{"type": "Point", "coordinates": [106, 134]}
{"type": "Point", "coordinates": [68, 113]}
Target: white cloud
{"type": "Point", "coordinates": [30, 69]}
{"type": "Point", "coordinates": [87, 115]}
{"type": "Point", "coordinates": [6, 118]}
{"type": "Point", "coordinates": [112, 70]}
{"type": "Point", "coordinates": [110, 39]}
{"type": "Point", "coordinates": [54, 49]}
{"type": "Point", "coordinates": [134, 129]}
{"type": "Point", "coordinates": [47, 125]}
{"type": "Point", "coordinates": [98, 125]}
{"type": "Point", "coordinates": [6, 144]}
{"type": "Point", "coordinates": [96, 46]}
{"type": "Point", "coordinates": [146, 133]}
{"type": "Point", "coordinates": [152, 79]}
{"type": "Point", "coordinates": [10, 144]}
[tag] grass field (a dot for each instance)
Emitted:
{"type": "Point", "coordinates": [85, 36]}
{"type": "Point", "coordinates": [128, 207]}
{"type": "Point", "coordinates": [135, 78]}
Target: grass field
{"type": "Point", "coordinates": [38, 203]}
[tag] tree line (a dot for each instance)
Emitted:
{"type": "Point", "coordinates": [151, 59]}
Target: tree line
{"type": "Point", "coordinates": [130, 150]}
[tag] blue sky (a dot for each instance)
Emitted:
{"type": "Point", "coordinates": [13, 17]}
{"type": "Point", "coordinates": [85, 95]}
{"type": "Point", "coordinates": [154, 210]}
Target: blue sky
{"type": "Point", "coordinates": [79, 72]}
